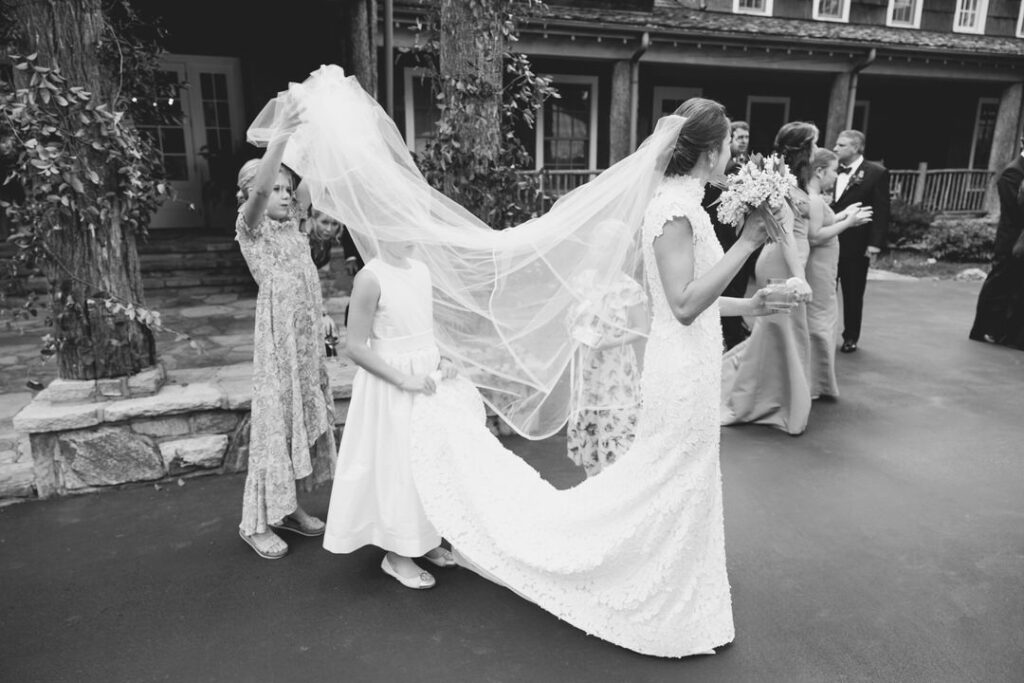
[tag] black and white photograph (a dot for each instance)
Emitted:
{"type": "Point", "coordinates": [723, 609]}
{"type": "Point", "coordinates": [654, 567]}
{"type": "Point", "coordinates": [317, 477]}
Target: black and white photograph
{"type": "Point", "coordinates": [512, 341]}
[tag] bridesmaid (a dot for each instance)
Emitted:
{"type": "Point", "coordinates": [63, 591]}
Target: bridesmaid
{"type": "Point", "coordinates": [765, 378]}
{"type": "Point", "coordinates": [823, 229]}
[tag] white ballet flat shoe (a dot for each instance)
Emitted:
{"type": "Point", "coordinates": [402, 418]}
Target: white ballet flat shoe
{"type": "Point", "coordinates": [444, 558]}
{"type": "Point", "coordinates": [422, 581]}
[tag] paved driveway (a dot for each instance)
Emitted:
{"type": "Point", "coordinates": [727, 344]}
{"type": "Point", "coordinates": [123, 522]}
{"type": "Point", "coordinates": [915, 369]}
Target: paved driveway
{"type": "Point", "coordinates": [885, 544]}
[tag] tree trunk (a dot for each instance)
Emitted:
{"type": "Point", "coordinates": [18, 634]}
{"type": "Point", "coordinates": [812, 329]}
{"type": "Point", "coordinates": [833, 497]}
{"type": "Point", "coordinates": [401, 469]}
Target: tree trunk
{"type": "Point", "coordinates": [92, 342]}
{"type": "Point", "coordinates": [471, 52]}
{"type": "Point", "coordinates": [352, 31]}
{"type": "Point", "coordinates": [359, 17]}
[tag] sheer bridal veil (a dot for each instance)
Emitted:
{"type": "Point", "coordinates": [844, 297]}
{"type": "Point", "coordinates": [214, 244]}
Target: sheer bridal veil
{"type": "Point", "coordinates": [516, 309]}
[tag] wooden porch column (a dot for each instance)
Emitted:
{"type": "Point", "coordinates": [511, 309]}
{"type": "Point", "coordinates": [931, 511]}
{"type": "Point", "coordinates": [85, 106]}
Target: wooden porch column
{"type": "Point", "coordinates": [1004, 139]}
{"type": "Point", "coordinates": [619, 121]}
{"type": "Point", "coordinates": [838, 109]}
{"type": "Point", "coordinates": [352, 25]}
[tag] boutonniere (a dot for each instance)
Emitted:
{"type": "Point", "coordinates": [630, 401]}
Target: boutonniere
{"type": "Point", "coordinates": [857, 178]}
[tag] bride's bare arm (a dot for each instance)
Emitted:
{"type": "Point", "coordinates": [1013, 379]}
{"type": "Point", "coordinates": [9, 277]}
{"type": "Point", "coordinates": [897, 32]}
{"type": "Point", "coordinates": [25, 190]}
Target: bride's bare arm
{"type": "Point", "coordinates": [687, 296]}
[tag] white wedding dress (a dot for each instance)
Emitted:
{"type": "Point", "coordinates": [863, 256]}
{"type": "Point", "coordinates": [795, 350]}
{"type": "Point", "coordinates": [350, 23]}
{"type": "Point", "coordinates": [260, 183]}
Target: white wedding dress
{"type": "Point", "coordinates": [635, 556]}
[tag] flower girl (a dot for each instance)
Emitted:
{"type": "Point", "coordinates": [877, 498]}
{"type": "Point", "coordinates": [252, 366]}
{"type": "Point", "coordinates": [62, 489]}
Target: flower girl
{"type": "Point", "coordinates": [292, 435]}
{"type": "Point", "coordinates": [391, 338]}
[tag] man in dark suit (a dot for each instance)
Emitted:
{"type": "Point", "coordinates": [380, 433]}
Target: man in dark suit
{"type": "Point", "coordinates": [867, 183]}
{"type": "Point", "coordinates": [734, 329]}
{"type": "Point", "coordinates": [1000, 315]}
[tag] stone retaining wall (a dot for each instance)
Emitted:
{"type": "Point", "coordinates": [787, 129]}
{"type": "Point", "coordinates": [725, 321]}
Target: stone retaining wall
{"type": "Point", "coordinates": [196, 424]}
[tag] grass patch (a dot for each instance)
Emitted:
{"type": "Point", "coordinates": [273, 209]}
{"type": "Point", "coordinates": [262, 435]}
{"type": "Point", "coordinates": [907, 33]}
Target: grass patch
{"type": "Point", "coordinates": [917, 265]}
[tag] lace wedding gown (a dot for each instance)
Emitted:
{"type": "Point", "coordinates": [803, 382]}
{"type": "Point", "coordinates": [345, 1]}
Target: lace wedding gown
{"type": "Point", "coordinates": [635, 556]}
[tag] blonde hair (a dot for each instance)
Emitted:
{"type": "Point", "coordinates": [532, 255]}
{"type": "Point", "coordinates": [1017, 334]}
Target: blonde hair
{"type": "Point", "coordinates": [246, 177]}
{"type": "Point", "coordinates": [822, 158]}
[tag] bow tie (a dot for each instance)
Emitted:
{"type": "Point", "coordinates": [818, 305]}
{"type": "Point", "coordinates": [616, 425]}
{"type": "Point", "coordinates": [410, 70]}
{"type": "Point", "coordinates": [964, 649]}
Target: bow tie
{"type": "Point", "coordinates": [843, 169]}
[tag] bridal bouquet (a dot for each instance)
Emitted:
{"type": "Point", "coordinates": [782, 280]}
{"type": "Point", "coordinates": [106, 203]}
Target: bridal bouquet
{"type": "Point", "coordinates": [760, 185]}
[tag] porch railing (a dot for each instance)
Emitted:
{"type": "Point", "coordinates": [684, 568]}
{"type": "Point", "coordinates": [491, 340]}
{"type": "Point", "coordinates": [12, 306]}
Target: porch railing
{"type": "Point", "coordinates": [552, 184]}
{"type": "Point", "coordinates": [945, 190]}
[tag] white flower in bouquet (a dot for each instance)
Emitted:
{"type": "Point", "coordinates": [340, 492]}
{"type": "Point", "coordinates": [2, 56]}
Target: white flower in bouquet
{"type": "Point", "coordinates": [762, 184]}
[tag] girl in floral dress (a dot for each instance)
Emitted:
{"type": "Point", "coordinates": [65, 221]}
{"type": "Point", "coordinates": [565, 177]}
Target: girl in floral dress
{"type": "Point", "coordinates": [608, 377]}
{"type": "Point", "coordinates": [292, 435]}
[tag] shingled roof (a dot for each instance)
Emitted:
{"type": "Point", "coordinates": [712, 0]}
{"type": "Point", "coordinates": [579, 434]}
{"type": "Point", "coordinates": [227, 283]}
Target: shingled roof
{"type": "Point", "coordinates": [696, 23]}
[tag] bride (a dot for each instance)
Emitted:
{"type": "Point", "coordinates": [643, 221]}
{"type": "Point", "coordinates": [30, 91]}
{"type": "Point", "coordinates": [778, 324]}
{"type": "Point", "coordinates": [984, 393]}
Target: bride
{"type": "Point", "coordinates": [635, 556]}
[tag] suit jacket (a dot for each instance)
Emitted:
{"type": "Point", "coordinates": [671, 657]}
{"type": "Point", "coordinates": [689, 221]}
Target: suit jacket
{"type": "Point", "coordinates": [869, 186]}
{"type": "Point", "coordinates": [348, 245]}
{"type": "Point", "coordinates": [1011, 214]}
{"type": "Point", "coordinates": [726, 233]}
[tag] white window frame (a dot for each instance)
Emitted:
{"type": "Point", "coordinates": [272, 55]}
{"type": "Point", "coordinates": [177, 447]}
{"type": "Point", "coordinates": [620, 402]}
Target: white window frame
{"type": "Point", "coordinates": [1020, 21]}
{"type": "Point", "coordinates": [767, 99]}
{"type": "Point", "coordinates": [918, 6]}
{"type": "Point", "coordinates": [408, 74]}
{"type": "Point", "coordinates": [768, 6]}
{"type": "Point", "coordinates": [538, 155]}
{"type": "Point", "coordinates": [845, 19]}
{"type": "Point", "coordinates": [979, 28]}
{"type": "Point", "coordinates": [982, 101]}
{"type": "Point", "coordinates": [671, 92]}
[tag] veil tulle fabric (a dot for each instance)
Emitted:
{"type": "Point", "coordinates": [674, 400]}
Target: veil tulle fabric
{"type": "Point", "coordinates": [515, 309]}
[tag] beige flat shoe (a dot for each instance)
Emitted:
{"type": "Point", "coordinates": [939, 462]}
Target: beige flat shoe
{"type": "Point", "coordinates": [265, 553]}
{"type": "Point", "coordinates": [315, 528]}
{"type": "Point", "coordinates": [440, 557]}
{"type": "Point", "coordinates": [422, 581]}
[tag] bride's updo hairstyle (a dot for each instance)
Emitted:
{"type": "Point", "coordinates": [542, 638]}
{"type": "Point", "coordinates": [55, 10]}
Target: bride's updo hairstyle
{"type": "Point", "coordinates": [705, 128]}
{"type": "Point", "coordinates": [794, 144]}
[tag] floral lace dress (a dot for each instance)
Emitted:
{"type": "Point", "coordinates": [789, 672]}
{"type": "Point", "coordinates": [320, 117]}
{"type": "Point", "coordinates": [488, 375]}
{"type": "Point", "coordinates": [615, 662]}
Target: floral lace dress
{"type": "Point", "coordinates": [292, 433]}
{"type": "Point", "coordinates": [635, 556]}
{"type": "Point", "coordinates": [608, 378]}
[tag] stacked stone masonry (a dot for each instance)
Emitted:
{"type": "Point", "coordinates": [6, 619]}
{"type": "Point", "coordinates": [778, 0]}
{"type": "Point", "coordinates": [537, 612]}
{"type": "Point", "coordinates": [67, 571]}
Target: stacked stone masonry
{"type": "Point", "coordinates": [75, 438]}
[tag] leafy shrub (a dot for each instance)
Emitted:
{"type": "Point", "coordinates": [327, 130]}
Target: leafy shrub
{"type": "Point", "coordinates": [493, 189]}
{"type": "Point", "coordinates": [908, 223]}
{"type": "Point", "coordinates": [968, 240]}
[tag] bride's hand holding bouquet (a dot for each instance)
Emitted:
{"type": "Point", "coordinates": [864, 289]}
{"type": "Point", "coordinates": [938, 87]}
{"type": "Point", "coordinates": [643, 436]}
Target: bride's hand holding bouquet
{"type": "Point", "coordinates": [756, 197]}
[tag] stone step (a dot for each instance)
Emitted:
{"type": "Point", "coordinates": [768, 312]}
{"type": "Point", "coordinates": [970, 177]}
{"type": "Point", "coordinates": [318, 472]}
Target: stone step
{"type": "Point", "coordinates": [198, 282]}
{"type": "Point", "coordinates": [191, 261]}
{"type": "Point", "coordinates": [159, 242]}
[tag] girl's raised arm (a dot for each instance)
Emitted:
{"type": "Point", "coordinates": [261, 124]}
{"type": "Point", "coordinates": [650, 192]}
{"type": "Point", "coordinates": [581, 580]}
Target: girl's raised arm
{"type": "Point", "coordinates": [270, 164]}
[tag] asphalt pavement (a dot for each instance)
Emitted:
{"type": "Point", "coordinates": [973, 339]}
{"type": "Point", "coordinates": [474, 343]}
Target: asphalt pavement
{"type": "Point", "coordinates": [885, 544]}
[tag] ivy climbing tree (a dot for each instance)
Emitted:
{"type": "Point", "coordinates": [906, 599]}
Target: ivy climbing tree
{"type": "Point", "coordinates": [485, 92]}
{"type": "Point", "coordinates": [89, 181]}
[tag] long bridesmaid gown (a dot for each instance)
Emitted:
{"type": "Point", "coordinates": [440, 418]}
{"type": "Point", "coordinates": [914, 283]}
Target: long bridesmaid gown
{"type": "Point", "coordinates": [823, 310]}
{"type": "Point", "coordinates": [765, 378]}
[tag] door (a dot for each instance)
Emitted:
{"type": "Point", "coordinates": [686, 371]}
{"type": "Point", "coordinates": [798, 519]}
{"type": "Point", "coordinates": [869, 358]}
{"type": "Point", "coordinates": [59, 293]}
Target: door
{"type": "Point", "coordinates": [202, 153]}
{"type": "Point", "coordinates": [668, 98]}
{"type": "Point", "coordinates": [765, 116]}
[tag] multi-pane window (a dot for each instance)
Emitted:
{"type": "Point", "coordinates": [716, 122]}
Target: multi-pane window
{"type": "Point", "coordinates": [763, 7]}
{"type": "Point", "coordinates": [970, 16]}
{"type": "Point", "coordinates": [422, 114]}
{"type": "Point", "coordinates": [832, 10]}
{"type": "Point", "coordinates": [904, 13]}
{"type": "Point", "coordinates": [567, 130]}
{"type": "Point", "coordinates": [984, 131]}
{"type": "Point", "coordinates": [213, 89]}
{"type": "Point", "coordinates": [166, 128]}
